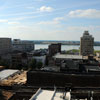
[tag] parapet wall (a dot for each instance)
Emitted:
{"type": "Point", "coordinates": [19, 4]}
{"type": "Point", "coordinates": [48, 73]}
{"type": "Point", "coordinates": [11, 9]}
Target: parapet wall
{"type": "Point", "coordinates": [35, 78]}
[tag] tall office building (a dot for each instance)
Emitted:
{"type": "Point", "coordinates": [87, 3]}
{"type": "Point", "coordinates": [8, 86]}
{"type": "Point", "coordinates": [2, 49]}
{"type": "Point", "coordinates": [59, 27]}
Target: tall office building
{"type": "Point", "coordinates": [5, 45]}
{"type": "Point", "coordinates": [86, 44]}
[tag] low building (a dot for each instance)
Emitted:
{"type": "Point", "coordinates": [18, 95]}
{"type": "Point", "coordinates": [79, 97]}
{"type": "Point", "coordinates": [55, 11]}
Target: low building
{"type": "Point", "coordinates": [40, 52]}
{"type": "Point", "coordinates": [69, 66]}
{"type": "Point", "coordinates": [23, 46]}
{"type": "Point", "coordinates": [60, 57]}
{"type": "Point", "coordinates": [40, 59]}
{"type": "Point", "coordinates": [51, 68]}
{"type": "Point", "coordinates": [19, 60]}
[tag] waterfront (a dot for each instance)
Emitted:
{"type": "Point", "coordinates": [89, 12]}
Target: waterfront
{"type": "Point", "coordinates": [64, 47]}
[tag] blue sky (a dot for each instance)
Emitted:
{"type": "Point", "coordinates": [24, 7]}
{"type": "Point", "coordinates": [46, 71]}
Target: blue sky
{"type": "Point", "coordinates": [49, 19]}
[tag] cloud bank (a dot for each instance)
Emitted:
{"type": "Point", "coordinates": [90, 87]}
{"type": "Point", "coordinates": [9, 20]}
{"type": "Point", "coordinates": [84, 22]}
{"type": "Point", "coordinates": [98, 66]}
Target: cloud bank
{"type": "Point", "coordinates": [88, 13]}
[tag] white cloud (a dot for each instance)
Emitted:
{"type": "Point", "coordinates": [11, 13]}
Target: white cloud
{"type": "Point", "coordinates": [6, 21]}
{"type": "Point", "coordinates": [3, 21]}
{"type": "Point", "coordinates": [48, 22]}
{"type": "Point", "coordinates": [37, 32]}
{"type": "Point", "coordinates": [52, 22]}
{"type": "Point", "coordinates": [13, 23]}
{"type": "Point", "coordinates": [59, 18]}
{"type": "Point", "coordinates": [45, 9]}
{"type": "Point", "coordinates": [89, 13]}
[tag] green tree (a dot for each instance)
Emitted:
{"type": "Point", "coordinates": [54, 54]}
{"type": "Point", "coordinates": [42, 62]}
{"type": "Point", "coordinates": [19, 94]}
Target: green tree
{"type": "Point", "coordinates": [73, 51]}
{"type": "Point", "coordinates": [32, 64]}
{"type": "Point", "coordinates": [39, 65]}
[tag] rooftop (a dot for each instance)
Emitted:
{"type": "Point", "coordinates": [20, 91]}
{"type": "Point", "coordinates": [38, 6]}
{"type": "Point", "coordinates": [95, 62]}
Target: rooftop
{"type": "Point", "coordinates": [50, 95]}
{"type": "Point", "coordinates": [65, 56]}
{"type": "Point", "coordinates": [92, 68]}
{"type": "Point", "coordinates": [86, 33]}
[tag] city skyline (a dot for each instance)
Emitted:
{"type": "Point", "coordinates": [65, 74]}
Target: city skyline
{"type": "Point", "coordinates": [49, 19]}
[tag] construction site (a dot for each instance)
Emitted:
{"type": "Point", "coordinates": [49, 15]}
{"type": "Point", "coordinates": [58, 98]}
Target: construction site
{"type": "Point", "coordinates": [9, 80]}
{"type": "Point", "coordinates": [18, 78]}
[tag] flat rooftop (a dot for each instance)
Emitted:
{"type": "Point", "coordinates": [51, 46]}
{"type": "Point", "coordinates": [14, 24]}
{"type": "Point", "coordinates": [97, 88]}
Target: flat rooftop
{"type": "Point", "coordinates": [65, 56]}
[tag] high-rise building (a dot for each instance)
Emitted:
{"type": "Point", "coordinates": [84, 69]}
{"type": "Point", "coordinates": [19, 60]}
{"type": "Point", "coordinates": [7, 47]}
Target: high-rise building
{"type": "Point", "coordinates": [86, 44]}
{"type": "Point", "coordinates": [54, 48]}
{"type": "Point", "coordinates": [5, 45]}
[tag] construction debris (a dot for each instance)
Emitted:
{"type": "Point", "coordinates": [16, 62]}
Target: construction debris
{"type": "Point", "coordinates": [19, 78]}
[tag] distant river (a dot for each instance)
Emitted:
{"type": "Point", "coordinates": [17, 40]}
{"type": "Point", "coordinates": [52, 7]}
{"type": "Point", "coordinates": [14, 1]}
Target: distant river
{"type": "Point", "coordinates": [63, 47]}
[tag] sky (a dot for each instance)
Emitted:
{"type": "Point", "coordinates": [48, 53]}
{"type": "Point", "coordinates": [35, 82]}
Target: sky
{"type": "Point", "coordinates": [49, 19]}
